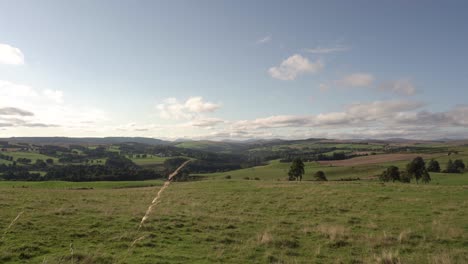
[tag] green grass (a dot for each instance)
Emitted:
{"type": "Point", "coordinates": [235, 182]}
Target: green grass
{"type": "Point", "coordinates": [47, 185]}
{"type": "Point", "coordinates": [237, 221]}
{"type": "Point", "coordinates": [149, 160]}
{"type": "Point", "coordinates": [217, 220]}
{"type": "Point", "coordinates": [276, 170]}
{"type": "Point", "coordinates": [28, 155]}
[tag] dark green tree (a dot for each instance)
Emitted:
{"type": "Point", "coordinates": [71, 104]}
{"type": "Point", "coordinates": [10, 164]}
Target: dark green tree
{"type": "Point", "coordinates": [391, 174]}
{"type": "Point", "coordinates": [296, 170]}
{"type": "Point", "coordinates": [433, 166]}
{"type": "Point", "coordinates": [320, 176]}
{"type": "Point", "coordinates": [417, 169]}
{"type": "Point", "coordinates": [459, 165]}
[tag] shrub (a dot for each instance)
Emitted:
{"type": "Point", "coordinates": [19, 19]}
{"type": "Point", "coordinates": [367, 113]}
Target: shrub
{"type": "Point", "coordinates": [320, 176]}
{"type": "Point", "coordinates": [433, 166]}
{"type": "Point", "coordinates": [228, 177]}
{"type": "Point", "coordinates": [391, 174]}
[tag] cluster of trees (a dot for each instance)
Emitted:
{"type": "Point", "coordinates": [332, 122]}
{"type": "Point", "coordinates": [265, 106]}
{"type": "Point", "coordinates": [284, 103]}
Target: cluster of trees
{"type": "Point", "coordinates": [6, 157]}
{"type": "Point", "coordinates": [297, 170]}
{"type": "Point", "coordinates": [116, 168]}
{"type": "Point", "coordinates": [416, 169]}
{"type": "Point", "coordinates": [456, 166]}
{"type": "Point", "coordinates": [24, 160]}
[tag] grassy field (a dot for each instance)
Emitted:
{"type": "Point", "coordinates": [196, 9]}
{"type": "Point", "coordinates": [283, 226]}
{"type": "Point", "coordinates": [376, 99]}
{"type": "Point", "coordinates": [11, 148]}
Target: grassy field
{"type": "Point", "coordinates": [28, 155]}
{"type": "Point", "coordinates": [265, 219]}
{"type": "Point", "coordinates": [237, 221]}
{"type": "Point", "coordinates": [78, 185]}
{"type": "Point", "coordinates": [149, 160]}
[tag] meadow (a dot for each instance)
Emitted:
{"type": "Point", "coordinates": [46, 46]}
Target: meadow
{"type": "Point", "coordinates": [252, 216]}
{"type": "Point", "coordinates": [237, 221]}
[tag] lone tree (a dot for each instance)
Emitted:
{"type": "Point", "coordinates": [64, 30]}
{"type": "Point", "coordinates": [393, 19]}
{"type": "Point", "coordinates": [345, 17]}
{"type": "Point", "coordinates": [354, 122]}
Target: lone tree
{"type": "Point", "coordinates": [391, 174]}
{"type": "Point", "coordinates": [417, 169]}
{"type": "Point", "coordinates": [433, 166]}
{"type": "Point", "coordinates": [296, 170]}
{"type": "Point", "coordinates": [320, 176]}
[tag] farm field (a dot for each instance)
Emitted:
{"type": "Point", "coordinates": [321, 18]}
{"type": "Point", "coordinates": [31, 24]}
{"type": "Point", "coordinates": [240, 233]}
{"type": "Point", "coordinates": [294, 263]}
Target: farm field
{"type": "Point", "coordinates": [237, 221]}
{"type": "Point", "coordinates": [28, 155]}
{"type": "Point", "coordinates": [151, 160]}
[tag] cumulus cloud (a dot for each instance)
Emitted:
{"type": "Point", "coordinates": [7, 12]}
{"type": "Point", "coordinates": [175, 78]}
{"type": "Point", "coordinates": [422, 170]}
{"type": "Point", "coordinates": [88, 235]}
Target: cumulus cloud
{"type": "Point", "coordinates": [171, 108]}
{"type": "Point", "coordinates": [357, 80]}
{"type": "Point", "coordinates": [10, 55]}
{"type": "Point", "coordinates": [327, 50]}
{"type": "Point", "coordinates": [377, 119]}
{"type": "Point", "coordinates": [294, 66]}
{"type": "Point", "coordinates": [42, 108]}
{"type": "Point", "coordinates": [400, 87]}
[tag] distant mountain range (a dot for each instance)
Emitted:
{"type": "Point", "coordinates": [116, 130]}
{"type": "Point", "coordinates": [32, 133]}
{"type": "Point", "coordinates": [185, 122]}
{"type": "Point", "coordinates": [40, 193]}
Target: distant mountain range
{"type": "Point", "coordinates": [85, 140]}
{"type": "Point", "coordinates": [203, 144]}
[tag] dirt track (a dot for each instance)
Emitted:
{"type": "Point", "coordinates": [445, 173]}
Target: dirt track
{"type": "Point", "coordinates": [374, 159]}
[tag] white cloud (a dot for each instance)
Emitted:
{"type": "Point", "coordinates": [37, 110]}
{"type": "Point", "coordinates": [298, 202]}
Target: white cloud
{"type": "Point", "coordinates": [294, 66]}
{"type": "Point", "coordinates": [171, 108]}
{"type": "Point", "coordinates": [357, 80]}
{"type": "Point", "coordinates": [43, 108]}
{"type": "Point", "coordinates": [326, 50]}
{"type": "Point", "coordinates": [206, 122]}
{"type": "Point", "coordinates": [264, 40]}
{"type": "Point", "coordinates": [54, 95]}
{"type": "Point", "coordinates": [400, 87]}
{"type": "Point", "coordinates": [10, 55]}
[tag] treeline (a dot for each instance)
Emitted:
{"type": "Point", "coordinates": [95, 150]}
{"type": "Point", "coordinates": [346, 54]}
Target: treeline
{"type": "Point", "coordinates": [116, 168]}
{"type": "Point", "coordinates": [418, 170]}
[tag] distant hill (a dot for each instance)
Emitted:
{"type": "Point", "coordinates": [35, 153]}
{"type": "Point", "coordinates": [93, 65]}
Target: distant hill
{"type": "Point", "coordinates": [72, 140]}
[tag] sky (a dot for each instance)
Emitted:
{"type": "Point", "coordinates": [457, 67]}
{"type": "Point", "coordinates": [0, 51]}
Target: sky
{"type": "Point", "coordinates": [234, 69]}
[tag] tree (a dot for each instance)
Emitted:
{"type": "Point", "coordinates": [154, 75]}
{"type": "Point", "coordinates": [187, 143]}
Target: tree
{"type": "Point", "coordinates": [391, 174]}
{"type": "Point", "coordinates": [456, 166]}
{"type": "Point", "coordinates": [450, 167]}
{"type": "Point", "coordinates": [296, 170]}
{"type": "Point", "coordinates": [119, 162]}
{"type": "Point", "coordinates": [40, 164]}
{"type": "Point", "coordinates": [433, 166]}
{"type": "Point", "coordinates": [50, 161]}
{"type": "Point", "coordinates": [320, 176]}
{"type": "Point", "coordinates": [417, 169]}
{"type": "Point", "coordinates": [459, 165]}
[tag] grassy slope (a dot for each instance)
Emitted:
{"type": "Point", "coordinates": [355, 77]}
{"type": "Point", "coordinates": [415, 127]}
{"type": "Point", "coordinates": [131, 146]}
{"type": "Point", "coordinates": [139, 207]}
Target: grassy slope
{"type": "Point", "coordinates": [150, 160]}
{"type": "Point", "coordinates": [28, 155]}
{"type": "Point", "coordinates": [77, 185]}
{"type": "Point", "coordinates": [276, 170]}
{"type": "Point", "coordinates": [233, 221]}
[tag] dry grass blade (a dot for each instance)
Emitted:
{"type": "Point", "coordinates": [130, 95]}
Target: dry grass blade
{"type": "Point", "coordinates": [158, 196]}
{"type": "Point", "coordinates": [11, 224]}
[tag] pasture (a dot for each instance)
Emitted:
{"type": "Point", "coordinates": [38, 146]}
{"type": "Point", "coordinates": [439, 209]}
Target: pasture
{"type": "Point", "coordinates": [237, 221]}
{"type": "Point", "coordinates": [252, 216]}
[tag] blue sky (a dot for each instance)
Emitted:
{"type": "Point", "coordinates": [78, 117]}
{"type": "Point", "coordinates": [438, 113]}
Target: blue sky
{"type": "Point", "coordinates": [234, 69]}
